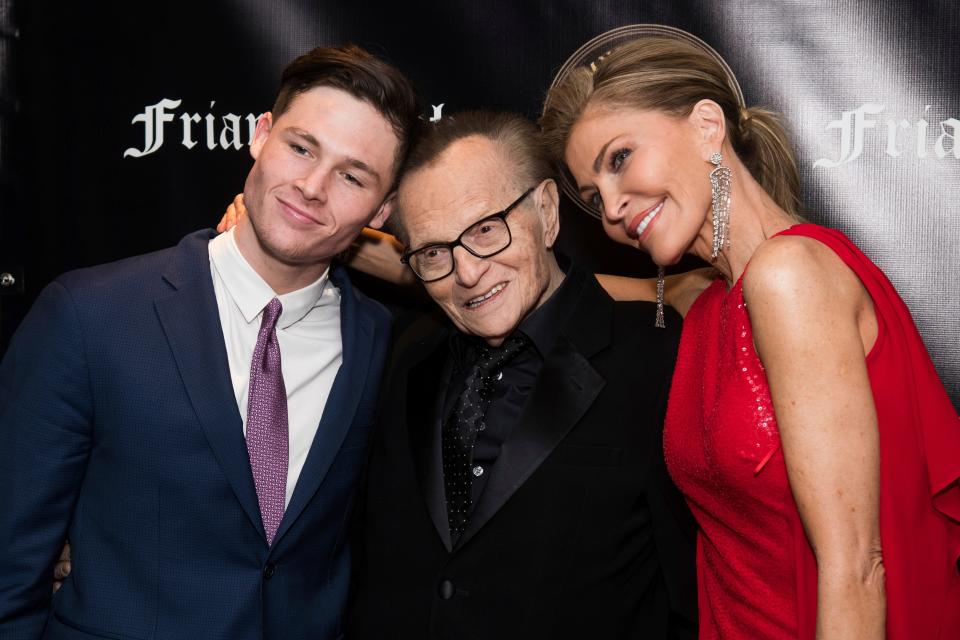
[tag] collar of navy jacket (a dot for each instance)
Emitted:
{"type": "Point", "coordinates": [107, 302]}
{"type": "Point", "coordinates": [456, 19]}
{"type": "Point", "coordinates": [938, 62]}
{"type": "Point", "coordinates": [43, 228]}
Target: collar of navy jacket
{"type": "Point", "coordinates": [191, 323]}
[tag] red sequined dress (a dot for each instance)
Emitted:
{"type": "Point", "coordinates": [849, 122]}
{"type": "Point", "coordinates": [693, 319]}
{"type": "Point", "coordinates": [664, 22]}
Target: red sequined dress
{"type": "Point", "coordinates": [756, 572]}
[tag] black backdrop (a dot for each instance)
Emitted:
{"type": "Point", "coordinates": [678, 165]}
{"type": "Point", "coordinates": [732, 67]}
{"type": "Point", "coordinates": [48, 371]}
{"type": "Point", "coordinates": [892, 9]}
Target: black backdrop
{"type": "Point", "coordinates": [73, 76]}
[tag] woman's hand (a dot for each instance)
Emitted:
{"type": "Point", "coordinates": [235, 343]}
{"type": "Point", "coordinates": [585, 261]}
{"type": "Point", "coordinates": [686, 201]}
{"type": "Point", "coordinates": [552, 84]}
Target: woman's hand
{"type": "Point", "coordinates": [813, 323]}
{"type": "Point", "coordinates": [232, 215]}
{"type": "Point", "coordinates": [62, 568]}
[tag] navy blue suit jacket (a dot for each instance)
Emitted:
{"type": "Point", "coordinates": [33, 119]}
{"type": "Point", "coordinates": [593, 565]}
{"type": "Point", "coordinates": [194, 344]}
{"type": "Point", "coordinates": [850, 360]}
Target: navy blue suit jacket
{"type": "Point", "coordinates": [119, 429]}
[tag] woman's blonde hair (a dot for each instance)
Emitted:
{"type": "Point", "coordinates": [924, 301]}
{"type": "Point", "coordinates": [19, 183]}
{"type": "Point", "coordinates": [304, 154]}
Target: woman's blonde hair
{"type": "Point", "coordinates": [672, 75]}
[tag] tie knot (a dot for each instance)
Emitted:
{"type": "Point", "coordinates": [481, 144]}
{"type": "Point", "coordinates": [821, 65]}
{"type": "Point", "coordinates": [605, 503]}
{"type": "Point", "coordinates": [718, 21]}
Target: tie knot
{"type": "Point", "coordinates": [271, 313]}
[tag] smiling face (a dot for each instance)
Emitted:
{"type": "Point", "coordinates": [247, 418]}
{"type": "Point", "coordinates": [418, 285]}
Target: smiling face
{"type": "Point", "coordinates": [322, 171]}
{"type": "Point", "coordinates": [647, 171]}
{"type": "Point", "coordinates": [473, 178]}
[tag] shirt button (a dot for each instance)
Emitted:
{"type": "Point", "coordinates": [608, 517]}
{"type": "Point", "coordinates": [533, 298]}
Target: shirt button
{"type": "Point", "coordinates": [446, 590]}
{"type": "Point", "coordinates": [268, 571]}
{"type": "Point", "coordinates": [478, 471]}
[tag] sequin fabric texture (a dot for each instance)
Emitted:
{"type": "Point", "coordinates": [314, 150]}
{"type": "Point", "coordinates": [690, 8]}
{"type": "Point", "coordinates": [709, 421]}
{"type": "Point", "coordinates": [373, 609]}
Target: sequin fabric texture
{"type": "Point", "coordinates": [459, 432]}
{"type": "Point", "coordinates": [723, 452]}
{"type": "Point", "coordinates": [267, 423]}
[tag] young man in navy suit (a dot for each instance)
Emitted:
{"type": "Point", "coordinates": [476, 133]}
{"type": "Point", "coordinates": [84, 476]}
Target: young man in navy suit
{"type": "Point", "coordinates": [194, 420]}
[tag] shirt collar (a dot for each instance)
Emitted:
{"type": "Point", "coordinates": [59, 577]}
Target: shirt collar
{"type": "Point", "coordinates": [545, 323]}
{"type": "Point", "coordinates": [251, 293]}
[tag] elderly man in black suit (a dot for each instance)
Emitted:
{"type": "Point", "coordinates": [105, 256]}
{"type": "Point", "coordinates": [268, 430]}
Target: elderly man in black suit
{"type": "Point", "coordinates": [516, 486]}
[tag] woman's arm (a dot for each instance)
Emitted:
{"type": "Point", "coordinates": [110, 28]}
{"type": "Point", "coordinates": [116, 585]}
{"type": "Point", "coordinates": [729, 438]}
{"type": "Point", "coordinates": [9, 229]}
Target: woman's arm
{"type": "Point", "coordinates": [679, 291]}
{"type": "Point", "coordinates": [378, 254]}
{"type": "Point", "coordinates": [373, 252]}
{"type": "Point", "coordinates": [627, 288]}
{"type": "Point", "coordinates": [813, 323]}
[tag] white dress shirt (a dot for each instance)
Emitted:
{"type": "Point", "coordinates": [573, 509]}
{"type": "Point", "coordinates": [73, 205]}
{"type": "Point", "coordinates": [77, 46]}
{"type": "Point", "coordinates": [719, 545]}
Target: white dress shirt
{"type": "Point", "coordinates": [308, 331]}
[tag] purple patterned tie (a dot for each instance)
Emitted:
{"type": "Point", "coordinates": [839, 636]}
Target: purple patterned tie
{"type": "Point", "coordinates": [267, 437]}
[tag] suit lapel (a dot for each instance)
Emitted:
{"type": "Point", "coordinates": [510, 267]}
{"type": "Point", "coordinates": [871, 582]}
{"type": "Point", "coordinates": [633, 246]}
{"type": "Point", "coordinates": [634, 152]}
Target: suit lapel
{"type": "Point", "coordinates": [426, 387]}
{"type": "Point", "coordinates": [356, 330]}
{"type": "Point", "coordinates": [191, 322]}
{"type": "Point", "coordinates": [565, 388]}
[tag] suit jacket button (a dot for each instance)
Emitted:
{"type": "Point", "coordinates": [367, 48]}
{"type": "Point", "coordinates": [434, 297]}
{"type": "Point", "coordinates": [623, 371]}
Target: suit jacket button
{"type": "Point", "coordinates": [446, 590]}
{"type": "Point", "coordinates": [269, 570]}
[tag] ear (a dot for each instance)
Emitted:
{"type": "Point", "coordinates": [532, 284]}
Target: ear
{"type": "Point", "coordinates": [261, 133]}
{"type": "Point", "coordinates": [383, 213]}
{"type": "Point", "coordinates": [710, 126]}
{"type": "Point", "coordinates": [549, 202]}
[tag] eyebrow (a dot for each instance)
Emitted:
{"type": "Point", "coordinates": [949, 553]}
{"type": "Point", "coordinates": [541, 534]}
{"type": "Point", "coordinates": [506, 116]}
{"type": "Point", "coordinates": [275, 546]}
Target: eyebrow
{"type": "Point", "coordinates": [597, 162]}
{"type": "Point", "coordinates": [441, 243]}
{"type": "Point", "coordinates": [353, 162]}
{"type": "Point", "coordinates": [437, 243]}
{"type": "Point", "coordinates": [363, 166]}
{"type": "Point", "coordinates": [599, 159]}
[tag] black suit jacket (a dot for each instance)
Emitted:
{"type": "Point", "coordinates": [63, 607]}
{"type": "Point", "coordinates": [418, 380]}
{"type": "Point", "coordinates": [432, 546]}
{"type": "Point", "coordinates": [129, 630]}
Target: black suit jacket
{"type": "Point", "coordinates": [579, 532]}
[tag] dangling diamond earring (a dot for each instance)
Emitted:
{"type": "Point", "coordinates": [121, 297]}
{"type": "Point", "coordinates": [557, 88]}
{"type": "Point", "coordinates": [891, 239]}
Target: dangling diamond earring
{"type": "Point", "coordinates": [661, 272]}
{"type": "Point", "coordinates": [720, 192]}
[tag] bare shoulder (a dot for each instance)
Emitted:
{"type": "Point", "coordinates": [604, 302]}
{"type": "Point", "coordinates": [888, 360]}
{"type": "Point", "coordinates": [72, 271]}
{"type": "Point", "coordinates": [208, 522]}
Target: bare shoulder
{"type": "Point", "coordinates": [797, 275]}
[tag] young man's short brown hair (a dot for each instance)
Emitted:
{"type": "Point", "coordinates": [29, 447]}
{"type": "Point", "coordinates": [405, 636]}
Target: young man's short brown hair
{"type": "Point", "coordinates": [362, 75]}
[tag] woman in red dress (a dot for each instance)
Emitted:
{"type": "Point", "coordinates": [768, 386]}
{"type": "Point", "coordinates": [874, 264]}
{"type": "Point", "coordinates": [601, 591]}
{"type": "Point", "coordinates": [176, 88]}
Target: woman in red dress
{"type": "Point", "coordinates": [807, 426]}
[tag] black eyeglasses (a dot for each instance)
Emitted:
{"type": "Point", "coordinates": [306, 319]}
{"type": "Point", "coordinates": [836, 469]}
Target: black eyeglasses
{"type": "Point", "coordinates": [484, 238]}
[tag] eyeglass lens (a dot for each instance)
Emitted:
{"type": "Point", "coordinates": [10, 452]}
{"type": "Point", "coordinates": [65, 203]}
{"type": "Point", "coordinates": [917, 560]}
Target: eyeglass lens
{"type": "Point", "coordinates": [482, 239]}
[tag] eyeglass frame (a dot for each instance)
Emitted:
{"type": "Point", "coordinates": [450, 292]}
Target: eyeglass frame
{"type": "Point", "coordinates": [499, 215]}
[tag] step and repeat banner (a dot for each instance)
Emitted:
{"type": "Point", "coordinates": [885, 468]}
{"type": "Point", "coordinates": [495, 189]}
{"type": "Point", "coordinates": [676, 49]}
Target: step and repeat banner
{"type": "Point", "coordinates": [125, 126]}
